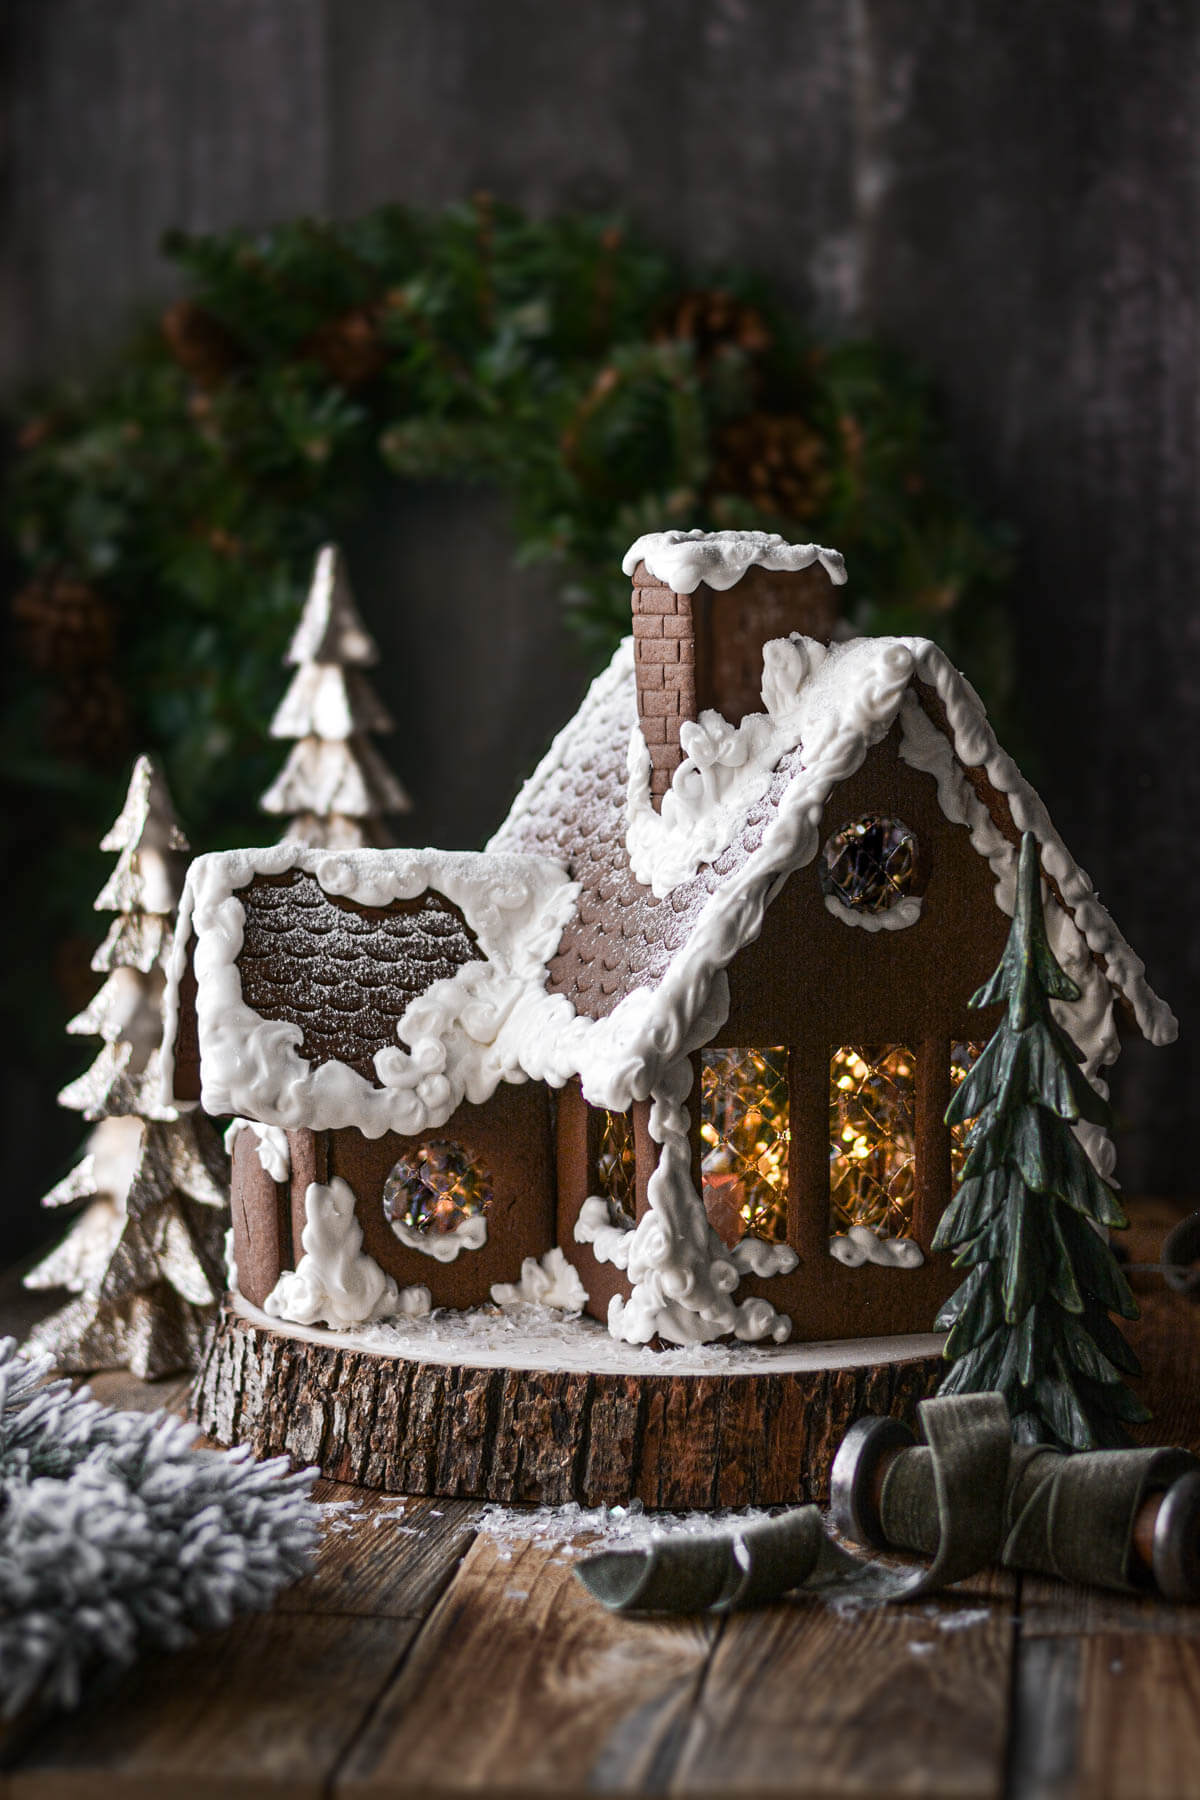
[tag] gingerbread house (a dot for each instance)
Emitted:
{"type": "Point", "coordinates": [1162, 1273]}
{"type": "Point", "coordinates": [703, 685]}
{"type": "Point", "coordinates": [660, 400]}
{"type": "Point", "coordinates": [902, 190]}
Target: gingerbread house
{"type": "Point", "coordinates": [675, 1050]}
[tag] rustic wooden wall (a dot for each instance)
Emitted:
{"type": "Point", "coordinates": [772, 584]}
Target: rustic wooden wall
{"type": "Point", "coordinates": [1008, 190]}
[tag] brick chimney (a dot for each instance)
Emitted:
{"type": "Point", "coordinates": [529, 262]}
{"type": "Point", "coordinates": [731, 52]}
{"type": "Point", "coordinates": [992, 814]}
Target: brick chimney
{"type": "Point", "coordinates": [693, 652]}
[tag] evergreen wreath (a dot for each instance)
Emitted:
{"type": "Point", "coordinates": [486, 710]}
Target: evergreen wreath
{"type": "Point", "coordinates": [165, 515]}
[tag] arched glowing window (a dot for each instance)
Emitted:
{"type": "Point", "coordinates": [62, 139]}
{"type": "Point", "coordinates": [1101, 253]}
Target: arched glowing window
{"type": "Point", "coordinates": [870, 865]}
{"type": "Point", "coordinates": [435, 1188]}
{"type": "Point", "coordinates": [744, 1138]}
{"type": "Point", "coordinates": [872, 1138]}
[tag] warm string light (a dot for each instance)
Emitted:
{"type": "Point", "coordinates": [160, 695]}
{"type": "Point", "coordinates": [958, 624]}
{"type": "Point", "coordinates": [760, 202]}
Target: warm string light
{"type": "Point", "coordinates": [435, 1188]}
{"type": "Point", "coordinates": [745, 1139]}
{"type": "Point", "coordinates": [872, 1138]}
{"type": "Point", "coordinates": [745, 1136]}
{"type": "Point", "coordinates": [616, 1167]}
{"type": "Point", "coordinates": [962, 1059]}
{"type": "Point", "coordinates": [870, 864]}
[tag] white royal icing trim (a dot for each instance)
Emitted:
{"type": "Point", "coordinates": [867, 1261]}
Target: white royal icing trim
{"type": "Point", "coordinates": [726, 770]}
{"type": "Point", "coordinates": [898, 917]}
{"type": "Point", "coordinates": [682, 1275]}
{"type": "Point", "coordinates": [861, 1245]}
{"type": "Point", "coordinates": [274, 1152]}
{"type": "Point", "coordinates": [458, 1046]}
{"type": "Point", "coordinates": [683, 559]}
{"type": "Point", "coordinates": [335, 1280]}
{"type": "Point", "coordinates": [551, 1282]}
{"type": "Point", "coordinates": [415, 1302]}
{"type": "Point", "coordinates": [444, 1246]}
{"type": "Point", "coordinates": [754, 1256]}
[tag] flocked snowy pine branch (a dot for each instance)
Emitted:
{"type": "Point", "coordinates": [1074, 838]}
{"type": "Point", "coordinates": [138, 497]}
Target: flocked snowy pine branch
{"type": "Point", "coordinates": [117, 1537]}
{"type": "Point", "coordinates": [144, 1260]}
{"type": "Point", "coordinates": [334, 784]}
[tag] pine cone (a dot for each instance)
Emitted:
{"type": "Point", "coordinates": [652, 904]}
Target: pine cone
{"type": "Point", "coordinates": [200, 344]}
{"type": "Point", "coordinates": [349, 349]}
{"type": "Point", "coordinates": [714, 320]}
{"type": "Point", "coordinates": [89, 719]}
{"type": "Point", "coordinates": [776, 460]}
{"type": "Point", "coordinates": [66, 625]}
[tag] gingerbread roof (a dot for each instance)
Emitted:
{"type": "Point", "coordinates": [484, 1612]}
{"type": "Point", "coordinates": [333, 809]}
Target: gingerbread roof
{"type": "Point", "coordinates": [344, 973]}
{"type": "Point", "coordinates": [672, 897]}
{"type": "Point", "coordinates": [622, 936]}
{"type": "Point", "coordinates": [379, 989]}
{"type": "Point", "coordinates": [365, 987]}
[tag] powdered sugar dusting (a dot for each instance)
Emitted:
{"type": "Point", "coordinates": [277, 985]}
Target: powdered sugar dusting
{"type": "Point", "coordinates": [573, 1531]}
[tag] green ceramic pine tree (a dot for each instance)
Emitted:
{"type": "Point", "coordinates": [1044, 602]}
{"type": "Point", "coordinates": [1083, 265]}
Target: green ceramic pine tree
{"type": "Point", "coordinates": [1031, 1320]}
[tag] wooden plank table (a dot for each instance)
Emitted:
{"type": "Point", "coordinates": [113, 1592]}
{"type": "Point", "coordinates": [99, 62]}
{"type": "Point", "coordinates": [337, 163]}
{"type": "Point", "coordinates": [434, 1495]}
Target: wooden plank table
{"type": "Point", "coordinates": [431, 1655]}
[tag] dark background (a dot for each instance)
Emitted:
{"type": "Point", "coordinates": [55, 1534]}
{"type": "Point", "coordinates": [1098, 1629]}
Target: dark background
{"type": "Point", "coordinates": [1008, 189]}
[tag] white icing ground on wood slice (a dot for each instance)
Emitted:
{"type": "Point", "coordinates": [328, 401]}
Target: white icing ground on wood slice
{"type": "Point", "coordinates": [535, 1337]}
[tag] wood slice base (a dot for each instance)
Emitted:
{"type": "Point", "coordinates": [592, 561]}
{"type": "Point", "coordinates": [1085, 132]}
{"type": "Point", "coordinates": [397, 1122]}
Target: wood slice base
{"type": "Point", "coordinates": [739, 1427]}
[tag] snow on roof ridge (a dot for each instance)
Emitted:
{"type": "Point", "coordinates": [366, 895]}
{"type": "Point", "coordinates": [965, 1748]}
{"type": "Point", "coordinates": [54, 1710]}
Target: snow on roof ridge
{"type": "Point", "coordinates": [517, 907]}
{"type": "Point", "coordinates": [683, 559]}
{"type": "Point", "coordinates": [886, 670]}
{"type": "Point", "coordinates": [976, 746]}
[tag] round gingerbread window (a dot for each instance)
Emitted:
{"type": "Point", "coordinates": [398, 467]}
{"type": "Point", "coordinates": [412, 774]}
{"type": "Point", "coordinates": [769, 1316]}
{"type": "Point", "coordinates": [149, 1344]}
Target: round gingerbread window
{"type": "Point", "coordinates": [870, 865]}
{"type": "Point", "coordinates": [436, 1188]}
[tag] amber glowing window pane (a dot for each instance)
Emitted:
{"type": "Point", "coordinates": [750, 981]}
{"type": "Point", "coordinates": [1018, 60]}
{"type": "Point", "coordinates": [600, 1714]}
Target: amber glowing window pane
{"type": "Point", "coordinates": [872, 1138]}
{"type": "Point", "coordinates": [962, 1057]}
{"type": "Point", "coordinates": [615, 1166]}
{"type": "Point", "coordinates": [744, 1137]}
{"type": "Point", "coordinates": [435, 1187]}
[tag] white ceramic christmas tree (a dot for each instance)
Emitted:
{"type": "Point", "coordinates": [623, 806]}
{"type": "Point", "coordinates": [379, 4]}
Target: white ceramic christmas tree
{"type": "Point", "coordinates": [145, 1257]}
{"type": "Point", "coordinates": [334, 783]}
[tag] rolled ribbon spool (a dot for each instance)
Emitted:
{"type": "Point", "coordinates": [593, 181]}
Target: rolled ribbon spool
{"type": "Point", "coordinates": [1122, 1519]}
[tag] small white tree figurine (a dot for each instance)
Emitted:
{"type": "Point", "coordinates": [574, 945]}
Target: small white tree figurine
{"type": "Point", "coordinates": [335, 783]}
{"type": "Point", "coordinates": [145, 1259]}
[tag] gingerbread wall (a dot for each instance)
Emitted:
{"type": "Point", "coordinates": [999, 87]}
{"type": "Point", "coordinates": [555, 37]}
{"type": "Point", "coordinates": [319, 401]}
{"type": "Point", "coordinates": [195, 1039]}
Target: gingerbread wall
{"type": "Point", "coordinates": [814, 983]}
{"type": "Point", "coordinates": [510, 1136]}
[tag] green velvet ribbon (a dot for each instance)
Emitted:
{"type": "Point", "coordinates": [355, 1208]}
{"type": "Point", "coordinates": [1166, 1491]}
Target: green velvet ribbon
{"type": "Point", "coordinates": [967, 1498]}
